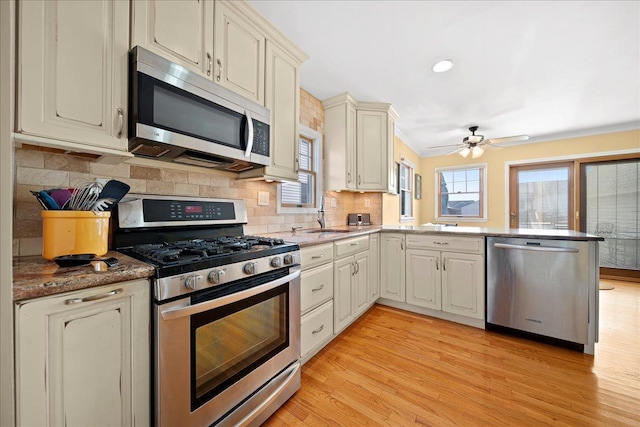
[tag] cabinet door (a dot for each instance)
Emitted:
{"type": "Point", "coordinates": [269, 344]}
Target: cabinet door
{"type": "Point", "coordinates": [351, 148]}
{"type": "Point", "coordinates": [361, 282]}
{"type": "Point", "coordinates": [374, 267]}
{"type": "Point", "coordinates": [72, 83]}
{"type": "Point", "coordinates": [283, 99]}
{"type": "Point", "coordinates": [372, 150]}
{"type": "Point", "coordinates": [392, 182]}
{"type": "Point", "coordinates": [239, 50]}
{"type": "Point", "coordinates": [343, 271]}
{"type": "Point", "coordinates": [179, 30]}
{"type": "Point", "coordinates": [423, 278]}
{"type": "Point", "coordinates": [392, 267]}
{"type": "Point", "coordinates": [463, 284]}
{"type": "Point", "coordinates": [83, 357]}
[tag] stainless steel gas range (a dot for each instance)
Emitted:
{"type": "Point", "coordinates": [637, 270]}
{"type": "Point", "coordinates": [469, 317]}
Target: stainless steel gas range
{"type": "Point", "coordinates": [226, 309]}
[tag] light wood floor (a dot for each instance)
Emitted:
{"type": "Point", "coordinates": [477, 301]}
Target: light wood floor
{"type": "Point", "coordinates": [396, 368]}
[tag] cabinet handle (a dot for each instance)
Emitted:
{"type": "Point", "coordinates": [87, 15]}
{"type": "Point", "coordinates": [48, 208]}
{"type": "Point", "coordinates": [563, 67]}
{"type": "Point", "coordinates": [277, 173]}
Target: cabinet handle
{"type": "Point", "coordinates": [93, 297]}
{"type": "Point", "coordinates": [120, 122]}
{"type": "Point", "coordinates": [348, 176]}
{"type": "Point", "coordinates": [355, 244]}
{"type": "Point", "coordinates": [317, 256]}
{"type": "Point", "coordinates": [209, 66]}
{"type": "Point", "coordinates": [317, 331]}
{"type": "Point", "coordinates": [441, 243]}
{"type": "Point", "coordinates": [219, 69]}
{"type": "Point", "coordinates": [437, 267]}
{"type": "Point", "coordinates": [401, 246]}
{"type": "Point", "coordinates": [359, 179]}
{"type": "Point", "coordinates": [353, 268]}
{"type": "Point", "coordinates": [297, 165]}
{"type": "Point", "coordinates": [357, 268]}
{"type": "Point", "coordinates": [444, 264]}
{"type": "Point", "coordinates": [319, 288]}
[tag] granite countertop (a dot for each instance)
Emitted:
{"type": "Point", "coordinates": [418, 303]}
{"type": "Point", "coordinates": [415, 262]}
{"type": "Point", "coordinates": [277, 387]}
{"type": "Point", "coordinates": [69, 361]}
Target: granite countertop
{"type": "Point", "coordinates": [35, 277]}
{"type": "Point", "coordinates": [312, 237]}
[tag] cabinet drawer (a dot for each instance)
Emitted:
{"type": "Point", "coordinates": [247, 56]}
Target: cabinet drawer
{"type": "Point", "coordinates": [316, 327]}
{"type": "Point", "coordinates": [351, 246]}
{"type": "Point", "coordinates": [316, 255]}
{"type": "Point", "coordinates": [446, 243]}
{"type": "Point", "coordinates": [316, 287]}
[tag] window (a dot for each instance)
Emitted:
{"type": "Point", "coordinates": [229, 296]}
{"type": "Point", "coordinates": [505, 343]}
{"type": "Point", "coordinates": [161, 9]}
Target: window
{"type": "Point", "coordinates": [406, 191]}
{"type": "Point", "coordinates": [461, 193]}
{"type": "Point", "coordinates": [302, 196]}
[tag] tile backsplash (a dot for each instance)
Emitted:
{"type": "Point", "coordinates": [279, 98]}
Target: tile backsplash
{"type": "Point", "coordinates": [37, 169]}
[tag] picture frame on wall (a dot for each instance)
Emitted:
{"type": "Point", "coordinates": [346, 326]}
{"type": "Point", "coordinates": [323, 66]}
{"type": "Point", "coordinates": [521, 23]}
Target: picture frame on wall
{"type": "Point", "coordinates": [418, 187]}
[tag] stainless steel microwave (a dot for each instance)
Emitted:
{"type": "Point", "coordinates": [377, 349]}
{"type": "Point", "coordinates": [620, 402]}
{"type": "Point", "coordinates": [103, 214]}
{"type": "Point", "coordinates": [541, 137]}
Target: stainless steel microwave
{"type": "Point", "coordinates": [179, 116]}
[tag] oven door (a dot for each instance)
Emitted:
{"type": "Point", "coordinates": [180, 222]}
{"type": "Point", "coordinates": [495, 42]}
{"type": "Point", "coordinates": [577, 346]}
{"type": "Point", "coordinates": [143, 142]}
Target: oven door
{"type": "Point", "coordinates": [229, 356]}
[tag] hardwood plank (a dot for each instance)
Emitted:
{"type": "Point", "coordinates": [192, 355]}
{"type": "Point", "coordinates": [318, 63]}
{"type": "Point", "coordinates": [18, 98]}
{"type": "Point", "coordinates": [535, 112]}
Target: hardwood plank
{"type": "Point", "coordinates": [394, 368]}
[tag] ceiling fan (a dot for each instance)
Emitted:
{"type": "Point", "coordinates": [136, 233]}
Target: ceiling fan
{"type": "Point", "coordinates": [476, 144]}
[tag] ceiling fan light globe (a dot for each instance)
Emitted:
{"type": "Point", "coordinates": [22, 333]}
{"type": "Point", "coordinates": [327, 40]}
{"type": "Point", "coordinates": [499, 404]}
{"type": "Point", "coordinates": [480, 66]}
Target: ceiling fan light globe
{"type": "Point", "coordinates": [477, 152]}
{"type": "Point", "coordinates": [465, 152]}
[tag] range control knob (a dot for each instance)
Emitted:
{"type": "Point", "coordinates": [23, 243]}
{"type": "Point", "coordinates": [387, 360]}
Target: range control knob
{"type": "Point", "coordinates": [249, 268]}
{"type": "Point", "coordinates": [216, 276]}
{"type": "Point", "coordinates": [276, 262]}
{"type": "Point", "coordinates": [288, 259]}
{"type": "Point", "coordinates": [194, 282]}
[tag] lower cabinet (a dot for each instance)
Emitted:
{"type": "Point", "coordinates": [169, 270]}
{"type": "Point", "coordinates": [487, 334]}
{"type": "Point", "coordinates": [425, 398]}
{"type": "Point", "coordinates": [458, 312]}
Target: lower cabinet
{"type": "Point", "coordinates": [392, 268]}
{"type": "Point", "coordinates": [82, 358]}
{"type": "Point", "coordinates": [316, 299]}
{"type": "Point", "coordinates": [350, 275]}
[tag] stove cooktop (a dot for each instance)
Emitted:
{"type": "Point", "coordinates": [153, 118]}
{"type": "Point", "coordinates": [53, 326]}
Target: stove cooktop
{"type": "Point", "coordinates": [190, 255]}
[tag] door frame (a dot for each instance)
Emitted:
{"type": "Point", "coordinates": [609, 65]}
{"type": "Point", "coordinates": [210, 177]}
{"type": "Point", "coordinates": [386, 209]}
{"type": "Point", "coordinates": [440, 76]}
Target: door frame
{"type": "Point", "coordinates": [513, 212]}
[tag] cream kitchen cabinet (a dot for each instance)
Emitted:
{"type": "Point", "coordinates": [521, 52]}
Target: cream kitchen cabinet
{"type": "Point", "coordinates": [179, 30]}
{"type": "Point", "coordinates": [239, 49]}
{"type": "Point", "coordinates": [72, 75]}
{"type": "Point", "coordinates": [392, 266]}
{"type": "Point", "coordinates": [82, 358]}
{"type": "Point", "coordinates": [374, 267]}
{"type": "Point", "coordinates": [350, 281]}
{"type": "Point", "coordinates": [283, 99]}
{"type": "Point", "coordinates": [446, 273]}
{"type": "Point", "coordinates": [316, 299]}
{"type": "Point", "coordinates": [359, 140]}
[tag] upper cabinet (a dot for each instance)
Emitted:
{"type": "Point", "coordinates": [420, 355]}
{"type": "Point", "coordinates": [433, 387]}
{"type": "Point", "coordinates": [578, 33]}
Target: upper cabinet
{"type": "Point", "coordinates": [239, 48]}
{"type": "Point", "coordinates": [72, 74]}
{"type": "Point", "coordinates": [359, 145]}
{"type": "Point", "coordinates": [180, 30]}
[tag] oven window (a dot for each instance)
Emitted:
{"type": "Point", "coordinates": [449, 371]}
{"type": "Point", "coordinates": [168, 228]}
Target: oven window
{"type": "Point", "coordinates": [229, 342]}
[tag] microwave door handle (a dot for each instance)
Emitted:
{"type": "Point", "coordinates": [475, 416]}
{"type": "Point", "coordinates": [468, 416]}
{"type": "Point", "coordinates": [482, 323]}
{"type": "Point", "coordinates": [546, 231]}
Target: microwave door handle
{"type": "Point", "coordinates": [247, 152]}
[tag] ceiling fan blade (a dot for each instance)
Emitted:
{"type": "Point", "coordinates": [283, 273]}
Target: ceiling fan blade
{"type": "Point", "coordinates": [457, 150]}
{"type": "Point", "coordinates": [507, 139]}
{"type": "Point", "coordinates": [492, 146]}
{"type": "Point", "coordinates": [448, 145]}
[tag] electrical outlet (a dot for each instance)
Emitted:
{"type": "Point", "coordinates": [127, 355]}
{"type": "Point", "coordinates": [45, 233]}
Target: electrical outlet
{"type": "Point", "coordinates": [263, 198]}
{"type": "Point", "coordinates": [334, 202]}
{"type": "Point", "coordinates": [367, 203]}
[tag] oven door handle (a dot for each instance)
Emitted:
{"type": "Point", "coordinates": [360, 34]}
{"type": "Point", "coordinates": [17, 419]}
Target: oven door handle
{"type": "Point", "coordinates": [176, 313]}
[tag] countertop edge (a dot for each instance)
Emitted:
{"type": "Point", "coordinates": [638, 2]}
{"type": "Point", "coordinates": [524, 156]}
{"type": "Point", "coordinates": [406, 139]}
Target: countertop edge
{"type": "Point", "coordinates": [35, 277]}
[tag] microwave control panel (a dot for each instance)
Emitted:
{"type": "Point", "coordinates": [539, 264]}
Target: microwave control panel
{"type": "Point", "coordinates": [260, 138]}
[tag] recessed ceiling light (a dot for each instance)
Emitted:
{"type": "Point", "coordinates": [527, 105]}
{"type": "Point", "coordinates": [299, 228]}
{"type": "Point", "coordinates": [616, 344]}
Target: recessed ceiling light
{"type": "Point", "coordinates": [442, 66]}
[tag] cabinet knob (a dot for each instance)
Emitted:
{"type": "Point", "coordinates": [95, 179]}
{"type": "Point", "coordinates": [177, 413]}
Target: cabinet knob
{"type": "Point", "coordinates": [120, 122]}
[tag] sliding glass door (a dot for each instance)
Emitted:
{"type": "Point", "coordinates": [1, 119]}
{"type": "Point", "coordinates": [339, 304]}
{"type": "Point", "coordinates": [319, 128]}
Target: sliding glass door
{"type": "Point", "coordinates": [541, 196]}
{"type": "Point", "coordinates": [610, 207]}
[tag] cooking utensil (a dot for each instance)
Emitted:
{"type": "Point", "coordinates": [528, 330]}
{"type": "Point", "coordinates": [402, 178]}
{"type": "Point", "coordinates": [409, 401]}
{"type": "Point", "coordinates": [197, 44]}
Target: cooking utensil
{"type": "Point", "coordinates": [39, 199]}
{"type": "Point", "coordinates": [61, 196]}
{"type": "Point", "coordinates": [48, 201]}
{"type": "Point", "coordinates": [83, 259]}
{"type": "Point", "coordinates": [103, 204]}
{"type": "Point", "coordinates": [115, 190]}
{"type": "Point", "coordinates": [85, 196]}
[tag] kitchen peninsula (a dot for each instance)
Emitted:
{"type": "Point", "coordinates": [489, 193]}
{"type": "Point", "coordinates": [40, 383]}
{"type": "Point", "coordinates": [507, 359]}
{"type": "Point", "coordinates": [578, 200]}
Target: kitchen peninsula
{"type": "Point", "coordinates": [445, 271]}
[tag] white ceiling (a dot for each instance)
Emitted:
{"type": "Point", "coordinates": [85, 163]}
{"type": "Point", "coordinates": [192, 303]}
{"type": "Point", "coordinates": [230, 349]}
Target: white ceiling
{"type": "Point", "coordinates": [547, 69]}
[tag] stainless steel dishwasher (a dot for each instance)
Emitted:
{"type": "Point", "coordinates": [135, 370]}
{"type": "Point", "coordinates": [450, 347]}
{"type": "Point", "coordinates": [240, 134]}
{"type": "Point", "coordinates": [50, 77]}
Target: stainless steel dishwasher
{"type": "Point", "coordinates": [539, 286]}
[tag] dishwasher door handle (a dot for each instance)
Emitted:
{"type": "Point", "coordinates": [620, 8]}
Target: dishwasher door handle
{"type": "Point", "coordinates": [536, 248]}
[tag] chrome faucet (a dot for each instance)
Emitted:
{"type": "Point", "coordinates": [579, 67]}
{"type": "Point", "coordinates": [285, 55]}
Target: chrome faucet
{"type": "Point", "coordinates": [321, 214]}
